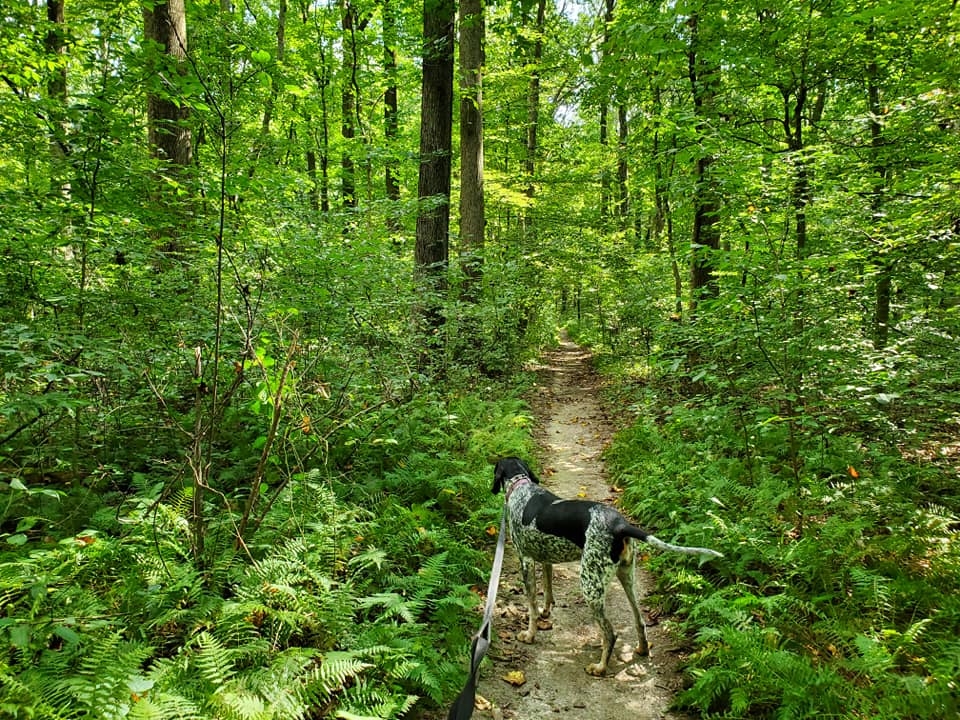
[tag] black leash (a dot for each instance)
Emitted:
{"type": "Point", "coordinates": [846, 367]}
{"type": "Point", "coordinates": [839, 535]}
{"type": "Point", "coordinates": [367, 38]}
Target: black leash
{"type": "Point", "coordinates": [462, 708]}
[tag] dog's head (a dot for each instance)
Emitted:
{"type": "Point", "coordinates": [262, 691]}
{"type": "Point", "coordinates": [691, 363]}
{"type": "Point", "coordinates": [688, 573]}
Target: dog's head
{"type": "Point", "coordinates": [510, 467]}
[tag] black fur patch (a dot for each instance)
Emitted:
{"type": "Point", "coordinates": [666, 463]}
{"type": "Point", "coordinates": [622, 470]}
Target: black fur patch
{"type": "Point", "coordinates": [564, 518]}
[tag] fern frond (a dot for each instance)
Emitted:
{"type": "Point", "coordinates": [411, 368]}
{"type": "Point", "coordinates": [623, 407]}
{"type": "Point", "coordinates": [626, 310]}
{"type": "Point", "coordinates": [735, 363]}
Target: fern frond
{"type": "Point", "coordinates": [213, 660]}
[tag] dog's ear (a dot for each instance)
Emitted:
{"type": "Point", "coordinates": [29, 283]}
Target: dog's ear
{"type": "Point", "coordinates": [499, 476]}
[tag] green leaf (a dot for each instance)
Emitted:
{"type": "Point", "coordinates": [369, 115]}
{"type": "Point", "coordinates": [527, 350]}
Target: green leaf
{"type": "Point", "coordinates": [20, 635]}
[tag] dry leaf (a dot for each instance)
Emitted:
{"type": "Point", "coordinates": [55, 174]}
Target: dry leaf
{"type": "Point", "coordinates": [515, 678]}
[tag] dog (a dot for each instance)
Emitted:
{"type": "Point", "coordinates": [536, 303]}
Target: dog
{"type": "Point", "coordinates": [547, 529]}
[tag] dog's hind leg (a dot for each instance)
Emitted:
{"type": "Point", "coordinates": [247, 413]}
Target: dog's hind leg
{"type": "Point", "coordinates": [593, 582]}
{"type": "Point", "coordinates": [547, 590]}
{"type": "Point", "coordinates": [627, 576]}
{"type": "Point", "coordinates": [528, 568]}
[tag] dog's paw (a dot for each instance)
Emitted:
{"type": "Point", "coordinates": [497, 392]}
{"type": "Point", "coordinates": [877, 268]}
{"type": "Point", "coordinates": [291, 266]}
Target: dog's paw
{"type": "Point", "coordinates": [527, 636]}
{"type": "Point", "coordinates": [545, 613]}
{"type": "Point", "coordinates": [597, 669]}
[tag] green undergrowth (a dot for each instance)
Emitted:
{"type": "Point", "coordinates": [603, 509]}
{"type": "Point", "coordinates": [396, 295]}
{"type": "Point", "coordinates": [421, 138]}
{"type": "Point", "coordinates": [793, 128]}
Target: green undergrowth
{"type": "Point", "coordinates": [838, 593]}
{"type": "Point", "coordinates": [351, 599]}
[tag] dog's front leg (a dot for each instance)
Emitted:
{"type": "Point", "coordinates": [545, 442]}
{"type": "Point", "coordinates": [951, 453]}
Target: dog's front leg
{"type": "Point", "coordinates": [528, 569]}
{"type": "Point", "coordinates": [547, 590]}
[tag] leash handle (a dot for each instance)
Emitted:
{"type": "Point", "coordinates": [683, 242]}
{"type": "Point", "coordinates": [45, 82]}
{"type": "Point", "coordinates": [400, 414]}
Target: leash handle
{"type": "Point", "coordinates": [462, 708]}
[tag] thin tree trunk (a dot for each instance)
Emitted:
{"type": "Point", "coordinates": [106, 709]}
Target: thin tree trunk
{"type": "Point", "coordinates": [705, 239]}
{"type": "Point", "coordinates": [348, 182]}
{"type": "Point", "coordinates": [605, 192]}
{"type": "Point", "coordinates": [883, 290]}
{"type": "Point", "coordinates": [391, 120]}
{"type": "Point", "coordinates": [57, 91]}
{"type": "Point", "coordinates": [623, 196]}
{"type": "Point", "coordinates": [472, 219]}
{"type": "Point", "coordinates": [533, 105]}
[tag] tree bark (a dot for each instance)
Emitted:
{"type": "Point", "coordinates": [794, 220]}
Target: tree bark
{"type": "Point", "coordinates": [57, 91]}
{"type": "Point", "coordinates": [168, 132]}
{"type": "Point", "coordinates": [705, 238]}
{"type": "Point", "coordinates": [391, 125]}
{"type": "Point", "coordinates": [884, 283]}
{"type": "Point", "coordinates": [348, 183]}
{"type": "Point", "coordinates": [604, 134]}
{"type": "Point", "coordinates": [472, 215]}
{"type": "Point", "coordinates": [431, 253]}
{"type": "Point", "coordinates": [623, 194]}
{"type": "Point", "coordinates": [165, 23]}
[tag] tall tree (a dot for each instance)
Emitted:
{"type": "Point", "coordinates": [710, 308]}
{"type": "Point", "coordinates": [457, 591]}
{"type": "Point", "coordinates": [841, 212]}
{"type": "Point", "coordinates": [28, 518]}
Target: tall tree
{"type": "Point", "coordinates": [533, 98]}
{"type": "Point", "coordinates": [168, 131]}
{"type": "Point", "coordinates": [431, 254]}
{"type": "Point", "coordinates": [704, 77]}
{"type": "Point", "coordinates": [472, 213]}
{"type": "Point", "coordinates": [165, 29]}
{"type": "Point", "coordinates": [884, 282]}
{"type": "Point", "coordinates": [56, 48]}
{"type": "Point", "coordinates": [604, 134]}
{"type": "Point", "coordinates": [391, 118]}
{"type": "Point", "coordinates": [348, 95]}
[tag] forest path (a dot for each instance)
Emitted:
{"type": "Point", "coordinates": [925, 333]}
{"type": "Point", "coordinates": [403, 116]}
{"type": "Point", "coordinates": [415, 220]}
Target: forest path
{"type": "Point", "coordinates": [573, 430]}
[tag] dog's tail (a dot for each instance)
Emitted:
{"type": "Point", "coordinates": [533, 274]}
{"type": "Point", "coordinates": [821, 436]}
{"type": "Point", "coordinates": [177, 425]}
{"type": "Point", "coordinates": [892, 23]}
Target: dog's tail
{"type": "Point", "coordinates": [661, 545]}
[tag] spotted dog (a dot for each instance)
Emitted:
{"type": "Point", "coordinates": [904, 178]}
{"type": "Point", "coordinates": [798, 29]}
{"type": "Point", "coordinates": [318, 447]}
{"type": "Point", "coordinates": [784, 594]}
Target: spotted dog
{"type": "Point", "coordinates": [548, 530]}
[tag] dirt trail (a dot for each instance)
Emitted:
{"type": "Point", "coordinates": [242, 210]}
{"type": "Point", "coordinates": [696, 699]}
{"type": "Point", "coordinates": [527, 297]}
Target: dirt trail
{"type": "Point", "coordinates": [573, 432]}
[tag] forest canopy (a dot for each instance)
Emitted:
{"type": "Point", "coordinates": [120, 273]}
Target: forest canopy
{"type": "Point", "coordinates": [273, 273]}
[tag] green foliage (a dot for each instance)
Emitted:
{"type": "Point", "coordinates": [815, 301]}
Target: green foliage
{"type": "Point", "coordinates": [828, 596]}
{"type": "Point", "coordinates": [356, 599]}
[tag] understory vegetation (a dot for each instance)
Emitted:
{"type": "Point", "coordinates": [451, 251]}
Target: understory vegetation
{"type": "Point", "coordinates": [329, 571]}
{"type": "Point", "coordinates": [834, 499]}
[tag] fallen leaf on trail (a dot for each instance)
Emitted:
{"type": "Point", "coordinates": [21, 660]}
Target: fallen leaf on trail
{"type": "Point", "coordinates": [515, 678]}
{"type": "Point", "coordinates": [481, 703]}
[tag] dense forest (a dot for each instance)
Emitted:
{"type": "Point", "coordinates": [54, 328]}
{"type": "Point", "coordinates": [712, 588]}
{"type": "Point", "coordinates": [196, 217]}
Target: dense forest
{"type": "Point", "coordinates": [272, 274]}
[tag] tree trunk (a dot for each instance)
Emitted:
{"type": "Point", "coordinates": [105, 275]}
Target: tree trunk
{"type": "Point", "coordinates": [57, 91]}
{"type": "Point", "coordinates": [705, 239]}
{"type": "Point", "coordinates": [348, 182]}
{"type": "Point", "coordinates": [623, 195]}
{"type": "Point", "coordinates": [882, 292]}
{"type": "Point", "coordinates": [472, 220]}
{"type": "Point", "coordinates": [436, 126]}
{"type": "Point", "coordinates": [165, 23]}
{"type": "Point", "coordinates": [168, 134]}
{"type": "Point", "coordinates": [605, 193]}
{"type": "Point", "coordinates": [533, 107]}
{"type": "Point", "coordinates": [391, 120]}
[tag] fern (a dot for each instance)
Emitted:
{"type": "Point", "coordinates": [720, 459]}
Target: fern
{"type": "Point", "coordinates": [872, 590]}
